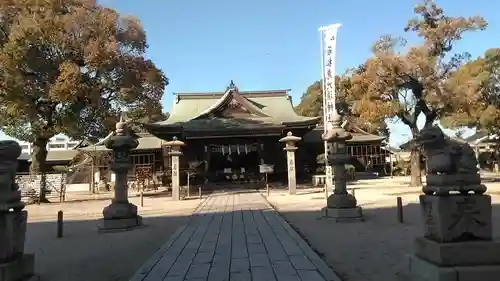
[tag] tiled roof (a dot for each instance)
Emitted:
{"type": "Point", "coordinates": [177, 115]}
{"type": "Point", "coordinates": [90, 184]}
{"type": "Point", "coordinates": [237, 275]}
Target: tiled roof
{"type": "Point", "coordinates": [275, 105]}
{"type": "Point", "coordinates": [146, 141]}
{"type": "Point", "coordinates": [53, 155]}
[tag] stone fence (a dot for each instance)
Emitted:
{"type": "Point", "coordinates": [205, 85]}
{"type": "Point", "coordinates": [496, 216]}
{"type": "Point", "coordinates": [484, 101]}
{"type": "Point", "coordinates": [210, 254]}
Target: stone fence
{"type": "Point", "coordinates": [31, 185]}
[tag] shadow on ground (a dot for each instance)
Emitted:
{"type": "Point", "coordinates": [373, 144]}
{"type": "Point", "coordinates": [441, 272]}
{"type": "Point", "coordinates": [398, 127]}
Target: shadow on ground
{"type": "Point", "coordinates": [85, 255]}
{"type": "Point", "coordinates": [373, 250]}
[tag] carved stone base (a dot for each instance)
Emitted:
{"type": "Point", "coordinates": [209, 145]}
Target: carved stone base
{"type": "Point", "coordinates": [457, 218]}
{"type": "Point", "coordinates": [119, 211]}
{"type": "Point", "coordinates": [422, 270]}
{"type": "Point", "coordinates": [462, 183]}
{"type": "Point", "coordinates": [472, 253]}
{"type": "Point", "coordinates": [341, 201]}
{"type": "Point", "coordinates": [12, 234]}
{"type": "Point", "coordinates": [117, 225]}
{"type": "Point", "coordinates": [20, 269]}
{"type": "Point", "coordinates": [344, 214]}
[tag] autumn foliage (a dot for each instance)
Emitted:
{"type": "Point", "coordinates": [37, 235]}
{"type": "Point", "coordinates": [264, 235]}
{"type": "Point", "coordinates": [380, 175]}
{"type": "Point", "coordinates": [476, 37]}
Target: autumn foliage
{"type": "Point", "coordinates": [476, 94]}
{"type": "Point", "coordinates": [401, 82]}
{"type": "Point", "coordinates": [69, 67]}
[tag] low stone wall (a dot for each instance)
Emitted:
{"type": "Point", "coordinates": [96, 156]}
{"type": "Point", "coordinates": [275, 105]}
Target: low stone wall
{"type": "Point", "coordinates": [28, 182]}
{"type": "Point", "coordinates": [77, 187]}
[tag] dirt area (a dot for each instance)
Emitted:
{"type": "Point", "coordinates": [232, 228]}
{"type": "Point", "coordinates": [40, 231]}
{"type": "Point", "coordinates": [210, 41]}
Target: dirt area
{"type": "Point", "coordinates": [85, 255]}
{"type": "Point", "coordinates": [375, 249]}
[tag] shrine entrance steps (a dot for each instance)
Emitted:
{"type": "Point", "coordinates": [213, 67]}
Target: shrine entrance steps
{"type": "Point", "coordinates": [235, 236]}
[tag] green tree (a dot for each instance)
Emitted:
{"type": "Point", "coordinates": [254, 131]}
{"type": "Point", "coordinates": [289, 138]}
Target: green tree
{"type": "Point", "coordinates": [70, 67]}
{"type": "Point", "coordinates": [403, 83]}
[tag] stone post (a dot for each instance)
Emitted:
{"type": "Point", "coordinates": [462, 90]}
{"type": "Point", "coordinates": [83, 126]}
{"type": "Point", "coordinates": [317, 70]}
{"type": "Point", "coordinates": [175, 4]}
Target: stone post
{"type": "Point", "coordinates": [341, 205]}
{"type": "Point", "coordinates": [121, 214]}
{"type": "Point", "coordinates": [15, 265]}
{"type": "Point", "coordinates": [458, 242]}
{"type": "Point", "coordinates": [175, 152]}
{"type": "Point", "coordinates": [290, 147]}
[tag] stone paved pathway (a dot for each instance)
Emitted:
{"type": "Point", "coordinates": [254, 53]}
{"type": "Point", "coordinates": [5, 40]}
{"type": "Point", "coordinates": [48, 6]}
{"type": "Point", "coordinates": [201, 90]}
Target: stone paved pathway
{"type": "Point", "coordinates": [235, 236]}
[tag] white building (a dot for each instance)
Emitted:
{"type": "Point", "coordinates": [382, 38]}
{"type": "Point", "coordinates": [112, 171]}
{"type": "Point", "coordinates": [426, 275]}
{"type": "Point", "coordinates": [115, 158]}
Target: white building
{"type": "Point", "coordinates": [59, 142]}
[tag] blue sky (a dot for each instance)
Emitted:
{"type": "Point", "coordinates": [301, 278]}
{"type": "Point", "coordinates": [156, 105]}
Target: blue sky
{"type": "Point", "coordinates": [274, 44]}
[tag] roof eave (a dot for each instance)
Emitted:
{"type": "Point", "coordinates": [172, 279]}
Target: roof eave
{"type": "Point", "coordinates": [311, 121]}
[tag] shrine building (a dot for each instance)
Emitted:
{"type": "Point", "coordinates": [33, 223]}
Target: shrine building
{"type": "Point", "coordinates": [227, 135]}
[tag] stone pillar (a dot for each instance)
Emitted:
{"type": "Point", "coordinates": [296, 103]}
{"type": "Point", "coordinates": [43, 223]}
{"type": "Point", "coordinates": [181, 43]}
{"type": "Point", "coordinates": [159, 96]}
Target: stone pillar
{"type": "Point", "coordinates": [341, 205]}
{"type": "Point", "coordinates": [121, 214]}
{"type": "Point", "coordinates": [457, 244]}
{"type": "Point", "coordinates": [15, 265]}
{"type": "Point", "coordinates": [175, 152]}
{"type": "Point", "coordinates": [290, 147]}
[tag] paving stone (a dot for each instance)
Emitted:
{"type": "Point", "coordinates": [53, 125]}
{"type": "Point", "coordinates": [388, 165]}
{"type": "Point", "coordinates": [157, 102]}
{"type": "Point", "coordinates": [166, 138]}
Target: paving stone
{"type": "Point", "coordinates": [160, 270]}
{"type": "Point", "coordinates": [283, 268]}
{"type": "Point", "coordinates": [207, 247]}
{"type": "Point", "coordinates": [203, 257]}
{"type": "Point", "coordinates": [289, 277]}
{"type": "Point", "coordinates": [234, 236]}
{"type": "Point", "coordinates": [263, 273]}
{"type": "Point", "coordinates": [310, 275]}
{"type": "Point", "coordinates": [182, 264]}
{"type": "Point", "coordinates": [241, 276]}
{"type": "Point", "coordinates": [256, 249]}
{"type": "Point", "coordinates": [198, 270]}
{"type": "Point", "coordinates": [221, 260]}
{"type": "Point", "coordinates": [218, 273]}
{"type": "Point", "coordinates": [240, 265]}
{"type": "Point", "coordinates": [173, 278]}
{"type": "Point", "coordinates": [259, 260]}
{"type": "Point", "coordinates": [302, 262]}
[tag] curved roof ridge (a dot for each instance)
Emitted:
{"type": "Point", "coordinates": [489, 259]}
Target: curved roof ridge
{"type": "Point", "coordinates": [226, 98]}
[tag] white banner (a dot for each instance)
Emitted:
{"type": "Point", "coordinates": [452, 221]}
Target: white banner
{"type": "Point", "coordinates": [328, 51]}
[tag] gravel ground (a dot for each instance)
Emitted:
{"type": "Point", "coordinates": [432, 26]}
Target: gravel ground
{"type": "Point", "coordinates": [373, 250]}
{"type": "Point", "coordinates": [85, 255]}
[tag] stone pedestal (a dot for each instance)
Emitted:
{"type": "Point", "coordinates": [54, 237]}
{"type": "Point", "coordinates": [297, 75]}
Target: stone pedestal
{"type": "Point", "coordinates": [341, 205]}
{"type": "Point", "coordinates": [457, 243]}
{"type": "Point", "coordinates": [175, 153]}
{"type": "Point", "coordinates": [15, 265]}
{"type": "Point", "coordinates": [290, 147]}
{"type": "Point", "coordinates": [120, 215]}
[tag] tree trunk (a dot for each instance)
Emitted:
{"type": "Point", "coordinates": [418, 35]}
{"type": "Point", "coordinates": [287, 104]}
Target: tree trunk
{"type": "Point", "coordinates": [38, 166]}
{"type": "Point", "coordinates": [415, 170]}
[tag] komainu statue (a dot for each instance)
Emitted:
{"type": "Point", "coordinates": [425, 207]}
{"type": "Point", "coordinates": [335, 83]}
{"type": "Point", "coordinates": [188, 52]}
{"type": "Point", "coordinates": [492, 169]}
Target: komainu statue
{"type": "Point", "coordinates": [451, 164]}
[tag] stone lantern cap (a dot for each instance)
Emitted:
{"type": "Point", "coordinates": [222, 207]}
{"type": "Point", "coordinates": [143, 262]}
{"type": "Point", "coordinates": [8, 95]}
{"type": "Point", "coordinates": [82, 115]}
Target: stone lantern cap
{"type": "Point", "coordinates": [122, 140]}
{"type": "Point", "coordinates": [10, 150]}
{"type": "Point", "coordinates": [336, 134]}
{"type": "Point", "coordinates": [290, 138]}
{"type": "Point", "coordinates": [175, 143]}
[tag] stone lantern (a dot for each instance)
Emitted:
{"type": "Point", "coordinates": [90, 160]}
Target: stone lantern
{"type": "Point", "coordinates": [290, 147]}
{"type": "Point", "coordinates": [175, 153]}
{"type": "Point", "coordinates": [121, 214]}
{"type": "Point", "coordinates": [341, 205]}
{"type": "Point", "coordinates": [14, 263]}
